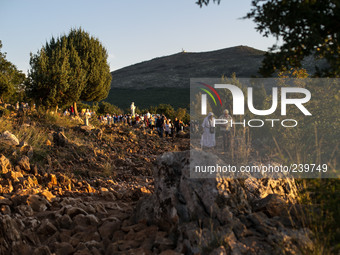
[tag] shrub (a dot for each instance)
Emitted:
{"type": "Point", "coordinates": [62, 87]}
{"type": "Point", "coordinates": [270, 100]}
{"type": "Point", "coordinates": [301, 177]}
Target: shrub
{"type": "Point", "coordinates": [105, 107]}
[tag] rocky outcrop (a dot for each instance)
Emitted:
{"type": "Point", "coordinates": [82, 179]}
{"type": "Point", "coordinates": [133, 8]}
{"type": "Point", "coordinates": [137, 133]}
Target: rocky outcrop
{"type": "Point", "coordinates": [245, 216]}
{"type": "Point", "coordinates": [5, 165]}
{"type": "Point", "coordinates": [8, 138]}
{"type": "Point", "coordinates": [45, 213]}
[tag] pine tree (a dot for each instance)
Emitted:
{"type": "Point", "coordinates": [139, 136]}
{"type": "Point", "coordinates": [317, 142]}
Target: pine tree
{"type": "Point", "coordinates": [51, 74]}
{"type": "Point", "coordinates": [94, 62]}
{"type": "Point", "coordinates": [70, 68]}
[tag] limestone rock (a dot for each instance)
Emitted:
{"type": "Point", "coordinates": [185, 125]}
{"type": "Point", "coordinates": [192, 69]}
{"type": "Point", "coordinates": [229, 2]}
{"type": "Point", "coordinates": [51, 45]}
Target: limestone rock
{"type": "Point", "coordinates": [9, 139]}
{"type": "Point", "coordinates": [52, 181]}
{"type": "Point", "coordinates": [24, 163]}
{"type": "Point", "coordinates": [25, 210]}
{"type": "Point", "coordinates": [5, 165]}
{"type": "Point", "coordinates": [47, 228]}
{"type": "Point", "coordinates": [37, 203]}
{"type": "Point", "coordinates": [65, 221]}
{"type": "Point", "coordinates": [242, 212]}
{"type": "Point", "coordinates": [272, 205]}
{"type": "Point", "coordinates": [108, 228]}
{"type": "Point", "coordinates": [5, 201]}
{"type": "Point", "coordinates": [48, 195]}
{"type": "Point", "coordinates": [10, 233]}
{"type": "Point", "coordinates": [73, 211]}
{"type": "Point", "coordinates": [64, 248]}
{"type": "Point", "coordinates": [14, 176]}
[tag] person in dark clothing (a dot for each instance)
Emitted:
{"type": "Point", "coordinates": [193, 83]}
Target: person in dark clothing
{"type": "Point", "coordinates": [160, 125]}
{"type": "Point", "coordinates": [172, 129]}
{"type": "Point", "coordinates": [177, 125]}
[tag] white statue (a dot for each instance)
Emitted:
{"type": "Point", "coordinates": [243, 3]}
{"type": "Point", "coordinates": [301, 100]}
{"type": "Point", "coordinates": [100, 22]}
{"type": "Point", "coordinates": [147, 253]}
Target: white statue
{"type": "Point", "coordinates": [133, 107]}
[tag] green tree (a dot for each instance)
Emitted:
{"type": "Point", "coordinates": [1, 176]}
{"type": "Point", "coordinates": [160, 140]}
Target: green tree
{"type": "Point", "coordinates": [105, 107]}
{"type": "Point", "coordinates": [54, 76]}
{"type": "Point", "coordinates": [307, 27]}
{"type": "Point", "coordinates": [180, 113]}
{"type": "Point", "coordinates": [93, 58]}
{"type": "Point", "coordinates": [165, 109]}
{"type": "Point", "coordinates": [10, 77]}
{"type": "Point", "coordinates": [77, 79]}
{"type": "Point", "coordinates": [68, 69]}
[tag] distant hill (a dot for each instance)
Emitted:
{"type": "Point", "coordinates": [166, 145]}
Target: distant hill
{"type": "Point", "coordinates": [174, 71]}
{"type": "Point", "coordinates": [167, 79]}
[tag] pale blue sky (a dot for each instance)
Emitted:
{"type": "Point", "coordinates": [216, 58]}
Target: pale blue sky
{"type": "Point", "coordinates": [131, 30]}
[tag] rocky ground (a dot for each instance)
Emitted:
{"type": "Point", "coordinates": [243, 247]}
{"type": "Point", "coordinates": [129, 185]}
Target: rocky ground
{"type": "Point", "coordinates": [114, 191]}
{"type": "Point", "coordinates": [77, 193]}
{"type": "Point", "coordinates": [52, 213]}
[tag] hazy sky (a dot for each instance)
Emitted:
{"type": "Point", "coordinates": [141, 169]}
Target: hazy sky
{"type": "Point", "coordinates": [131, 30]}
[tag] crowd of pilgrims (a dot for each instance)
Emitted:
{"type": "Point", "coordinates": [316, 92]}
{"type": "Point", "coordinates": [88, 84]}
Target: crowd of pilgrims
{"type": "Point", "coordinates": [159, 122]}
